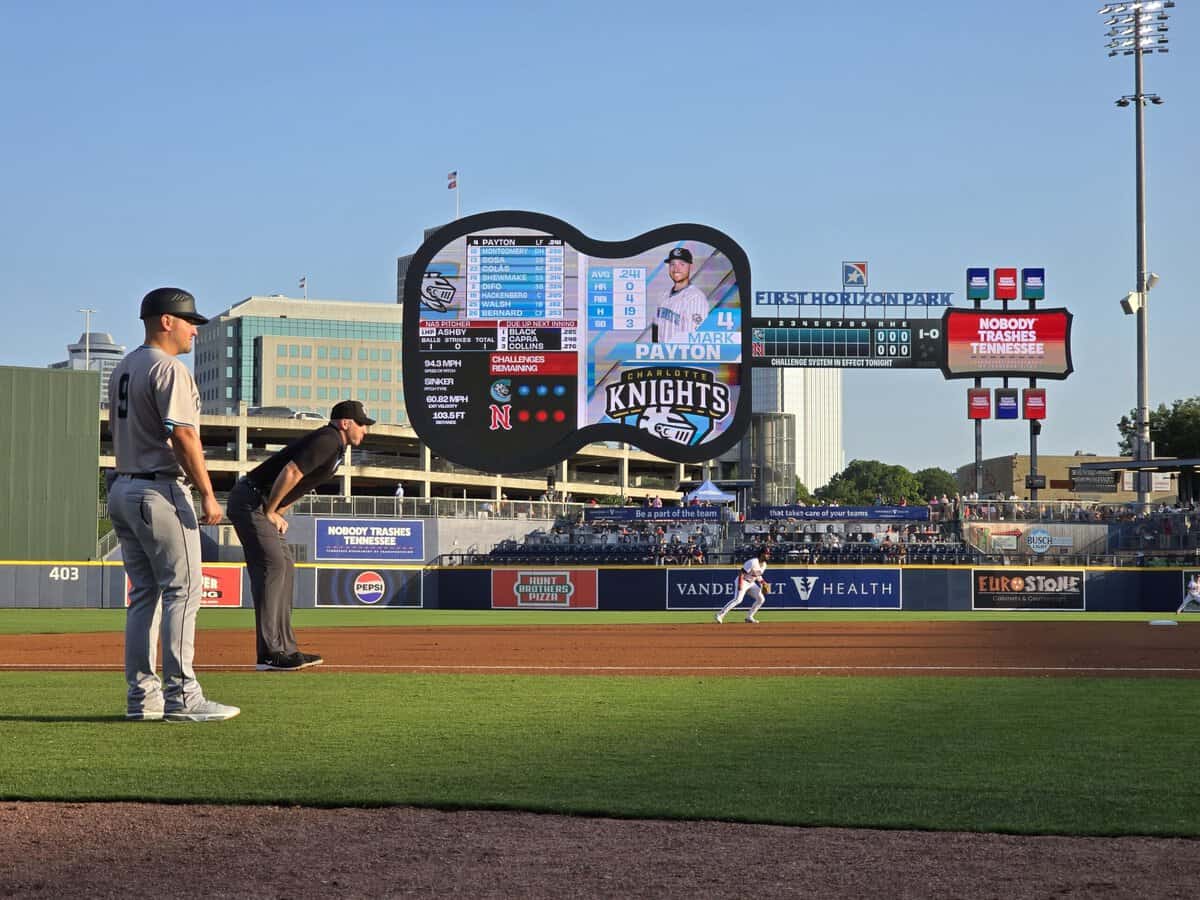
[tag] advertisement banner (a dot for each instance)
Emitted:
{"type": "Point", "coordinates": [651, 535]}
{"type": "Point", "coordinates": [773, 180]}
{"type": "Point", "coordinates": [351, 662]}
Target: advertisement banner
{"type": "Point", "coordinates": [1006, 403]}
{"type": "Point", "coordinates": [1025, 344]}
{"type": "Point", "coordinates": [1006, 284]}
{"type": "Point", "coordinates": [544, 589]}
{"type": "Point", "coordinates": [1033, 284]}
{"type": "Point", "coordinates": [221, 586]}
{"type": "Point", "coordinates": [652, 514]}
{"type": "Point", "coordinates": [1033, 403]}
{"type": "Point", "coordinates": [843, 513]}
{"type": "Point", "coordinates": [1017, 587]}
{"type": "Point", "coordinates": [369, 587]}
{"type": "Point", "coordinates": [978, 284]}
{"type": "Point", "coordinates": [382, 540]}
{"type": "Point", "coordinates": [791, 588]}
{"type": "Point", "coordinates": [979, 403]}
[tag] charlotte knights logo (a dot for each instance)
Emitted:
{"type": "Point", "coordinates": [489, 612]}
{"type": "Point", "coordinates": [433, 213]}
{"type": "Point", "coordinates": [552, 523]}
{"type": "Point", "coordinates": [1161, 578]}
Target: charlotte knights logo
{"type": "Point", "coordinates": [679, 405]}
{"type": "Point", "coordinates": [437, 292]}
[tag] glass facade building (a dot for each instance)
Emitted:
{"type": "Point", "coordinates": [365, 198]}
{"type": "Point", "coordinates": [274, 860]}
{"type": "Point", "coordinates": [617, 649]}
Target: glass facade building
{"type": "Point", "coordinates": [302, 354]}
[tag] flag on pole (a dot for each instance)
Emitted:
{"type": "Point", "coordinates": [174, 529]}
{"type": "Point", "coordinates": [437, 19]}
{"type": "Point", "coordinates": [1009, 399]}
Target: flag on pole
{"type": "Point", "coordinates": [452, 181]}
{"type": "Point", "coordinates": [303, 282]}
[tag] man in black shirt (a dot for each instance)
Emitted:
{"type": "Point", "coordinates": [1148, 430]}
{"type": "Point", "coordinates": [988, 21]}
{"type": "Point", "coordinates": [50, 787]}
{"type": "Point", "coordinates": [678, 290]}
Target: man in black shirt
{"type": "Point", "coordinates": [256, 506]}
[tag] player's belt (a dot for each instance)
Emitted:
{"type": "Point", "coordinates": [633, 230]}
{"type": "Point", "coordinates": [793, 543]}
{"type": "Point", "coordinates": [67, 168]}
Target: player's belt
{"type": "Point", "coordinates": [150, 476]}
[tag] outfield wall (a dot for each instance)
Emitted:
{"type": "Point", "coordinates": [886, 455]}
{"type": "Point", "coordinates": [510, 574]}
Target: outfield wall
{"type": "Point", "coordinates": [53, 585]}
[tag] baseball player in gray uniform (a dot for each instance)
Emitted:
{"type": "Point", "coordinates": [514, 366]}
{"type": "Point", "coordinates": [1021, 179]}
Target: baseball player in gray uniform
{"type": "Point", "coordinates": [749, 581]}
{"type": "Point", "coordinates": [684, 307]}
{"type": "Point", "coordinates": [154, 414]}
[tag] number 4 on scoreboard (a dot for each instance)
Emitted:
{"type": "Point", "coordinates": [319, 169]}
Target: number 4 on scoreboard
{"type": "Point", "coordinates": [725, 319]}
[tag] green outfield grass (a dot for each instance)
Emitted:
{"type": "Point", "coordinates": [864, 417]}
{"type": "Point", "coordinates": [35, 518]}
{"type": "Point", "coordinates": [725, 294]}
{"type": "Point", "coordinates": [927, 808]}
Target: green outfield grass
{"type": "Point", "coordinates": [1056, 755]}
{"type": "Point", "coordinates": [75, 621]}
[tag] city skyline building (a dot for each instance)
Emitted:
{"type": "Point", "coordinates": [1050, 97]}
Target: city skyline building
{"type": "Point", "coordinates": [814, 398]}
{"type": "Point", "coordinates": [97, 351]}
{"type": "Point", "coordinates": [306, 355]}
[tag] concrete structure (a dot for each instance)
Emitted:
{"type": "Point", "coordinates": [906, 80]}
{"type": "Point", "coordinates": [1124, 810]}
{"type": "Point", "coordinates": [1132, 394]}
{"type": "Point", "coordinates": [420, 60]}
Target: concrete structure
{"type": "Point", "coordinates": [234, 444]}
{"type": "Point", "coordinates": [1004, 476]}
{"type": "Point", "coordinates": [97, 351]}
{"type": "Point", "coordinates": [814, 398]}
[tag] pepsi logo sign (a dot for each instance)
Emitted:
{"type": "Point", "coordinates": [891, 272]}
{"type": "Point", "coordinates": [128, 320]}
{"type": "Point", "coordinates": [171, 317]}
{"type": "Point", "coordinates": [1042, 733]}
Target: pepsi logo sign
{"type": "Point", "coordinates": [369, 587]}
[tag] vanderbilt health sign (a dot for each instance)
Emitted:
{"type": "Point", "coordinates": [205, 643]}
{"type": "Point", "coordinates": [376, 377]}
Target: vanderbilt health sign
{"type": "Point", "coordinates": [823, 588]}
{"type": "Point", "coordinates": [382, 540]}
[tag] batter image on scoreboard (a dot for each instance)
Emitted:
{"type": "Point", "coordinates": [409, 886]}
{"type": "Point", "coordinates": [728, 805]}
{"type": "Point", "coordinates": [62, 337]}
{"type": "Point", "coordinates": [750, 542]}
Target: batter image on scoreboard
{"type": "Point", "coordinates": [683, 310]}
{"type": "Point", "coordinates": [523, 339]}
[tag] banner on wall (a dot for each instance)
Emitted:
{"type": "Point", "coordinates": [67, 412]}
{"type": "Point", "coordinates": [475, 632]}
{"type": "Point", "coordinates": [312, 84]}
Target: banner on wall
{"type": "Point", "coordinates": [220, 586]}
{"type": "Point", "coordinates": [843, 513]}
{"type": "Point", "coordinates": [381, 540]}
{"type": "Point", "coordinates": [544, 589]}
{"type": "Point", "coordinates": [363, 586]}
{"type": "Point", "coordinates": [1016, 587]}
{"type": "Point", "coordinates": [791, 588]}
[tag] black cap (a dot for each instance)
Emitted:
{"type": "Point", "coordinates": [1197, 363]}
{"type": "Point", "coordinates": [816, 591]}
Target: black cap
{"type": "Point", "coordinates": [680, 253]}
{"type": "Point", "coordinates": [351, 409]}
{"type": "Point", "coordinates": [171, 301]}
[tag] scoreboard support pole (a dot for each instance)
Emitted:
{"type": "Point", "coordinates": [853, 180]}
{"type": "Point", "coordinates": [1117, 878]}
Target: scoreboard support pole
{"type": "Point", "coordinates": [978, 438]}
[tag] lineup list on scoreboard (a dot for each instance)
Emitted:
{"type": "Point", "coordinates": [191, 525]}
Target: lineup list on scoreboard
{"type": "Point", "coordinates": [514, 277]}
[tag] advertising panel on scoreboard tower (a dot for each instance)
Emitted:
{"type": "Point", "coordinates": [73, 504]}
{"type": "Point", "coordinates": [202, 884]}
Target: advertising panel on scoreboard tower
{"type": "Point", "coordinates": [1014, 343]}
{"type": "Point", "coordinates": [525, 339]}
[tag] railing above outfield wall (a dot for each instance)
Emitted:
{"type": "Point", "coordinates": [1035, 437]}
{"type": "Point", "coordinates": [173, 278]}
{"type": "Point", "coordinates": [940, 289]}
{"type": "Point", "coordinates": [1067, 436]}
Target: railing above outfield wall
{"type": "Point", "coordinates": [686, 589]}
{"type": "Point", "coordinates": [431, 507]}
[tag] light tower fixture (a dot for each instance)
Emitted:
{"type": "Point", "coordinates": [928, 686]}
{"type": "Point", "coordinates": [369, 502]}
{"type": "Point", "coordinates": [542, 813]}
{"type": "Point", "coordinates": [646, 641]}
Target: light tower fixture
{"type": "Point", "coordinates": [1135, 29]}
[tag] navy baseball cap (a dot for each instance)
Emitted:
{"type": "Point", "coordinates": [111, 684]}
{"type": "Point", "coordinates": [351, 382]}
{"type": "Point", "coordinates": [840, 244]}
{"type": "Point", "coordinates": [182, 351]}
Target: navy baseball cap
{"type": "Point", "coordinates": [351, 409]}
{"type": "Point", "coordinates": [680, 253]}
{"type": "Point", "coordinates": [171, 301]}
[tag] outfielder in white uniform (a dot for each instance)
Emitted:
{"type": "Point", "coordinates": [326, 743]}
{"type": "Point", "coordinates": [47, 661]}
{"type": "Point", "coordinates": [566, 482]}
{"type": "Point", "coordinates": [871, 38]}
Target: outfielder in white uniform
{"type": "Point", "coordinates": [154, 412]}
{"type": "Point", "coordinates": [749, 581]}
{"type": "Point", "coordinates": [1191, 595]}
{"type": "Point", "coordinates": [684, 307]}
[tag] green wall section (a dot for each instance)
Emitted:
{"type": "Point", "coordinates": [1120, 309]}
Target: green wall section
{"type": "Point", "coordinates": [49, 456]}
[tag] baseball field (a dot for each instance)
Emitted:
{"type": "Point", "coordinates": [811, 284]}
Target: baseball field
{"type": "Point", "coordinates": [614, 754]}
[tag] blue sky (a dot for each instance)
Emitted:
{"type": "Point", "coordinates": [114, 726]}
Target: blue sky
{"type": "Point", "coordinates": [229, 149]}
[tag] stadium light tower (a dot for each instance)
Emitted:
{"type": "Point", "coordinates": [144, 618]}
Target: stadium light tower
{"type": "Point", "coordinates": [1135, 29]}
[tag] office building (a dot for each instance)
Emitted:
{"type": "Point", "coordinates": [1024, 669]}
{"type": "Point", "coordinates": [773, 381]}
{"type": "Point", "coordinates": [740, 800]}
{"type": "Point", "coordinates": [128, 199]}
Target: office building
{"type": "Point", "coordinates": [304, 355]}
{"type": "Point", "coordinates": [814, 398]}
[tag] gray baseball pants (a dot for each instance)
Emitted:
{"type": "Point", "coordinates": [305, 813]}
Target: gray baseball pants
{"type": "Point", "coordinates": [271, 569]}
{"type": "Point", "coordinates": [160, 546]}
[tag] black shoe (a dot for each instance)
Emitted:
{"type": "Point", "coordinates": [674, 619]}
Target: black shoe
{"type": "Point", "coordinates": [311, 659]}
{"type": "Point", "coordinates": [285, 662]}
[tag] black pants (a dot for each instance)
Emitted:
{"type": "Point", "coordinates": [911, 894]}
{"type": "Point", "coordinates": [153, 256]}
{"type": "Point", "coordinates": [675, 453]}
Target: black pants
{"type": "Point", "coordinates": [271, 568]}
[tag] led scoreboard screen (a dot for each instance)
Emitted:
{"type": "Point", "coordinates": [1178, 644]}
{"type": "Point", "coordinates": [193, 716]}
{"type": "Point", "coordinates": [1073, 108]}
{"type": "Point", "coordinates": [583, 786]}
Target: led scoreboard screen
{"type": "Point", "coordinates": [846, 343]}
{"type": "Point", "coordinates": [524, 340]}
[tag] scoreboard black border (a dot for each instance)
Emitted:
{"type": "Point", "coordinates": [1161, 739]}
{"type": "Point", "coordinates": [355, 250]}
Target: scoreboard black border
{"type": "Point", "coordinates": [442, 440]}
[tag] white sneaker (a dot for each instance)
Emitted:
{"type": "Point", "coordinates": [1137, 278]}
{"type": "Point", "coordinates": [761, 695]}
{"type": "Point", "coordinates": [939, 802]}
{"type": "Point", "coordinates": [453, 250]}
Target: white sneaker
{"type": "Point", "coordinates": [719, 619]}
{"type": "Point", "coordinates": [752, 620]}
{"type": "Point", "coordinates": [204, 711]}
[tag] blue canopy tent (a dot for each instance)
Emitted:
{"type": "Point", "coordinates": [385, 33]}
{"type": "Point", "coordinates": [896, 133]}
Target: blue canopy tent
{"type": "Point", "coordinates": [709, 492]}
